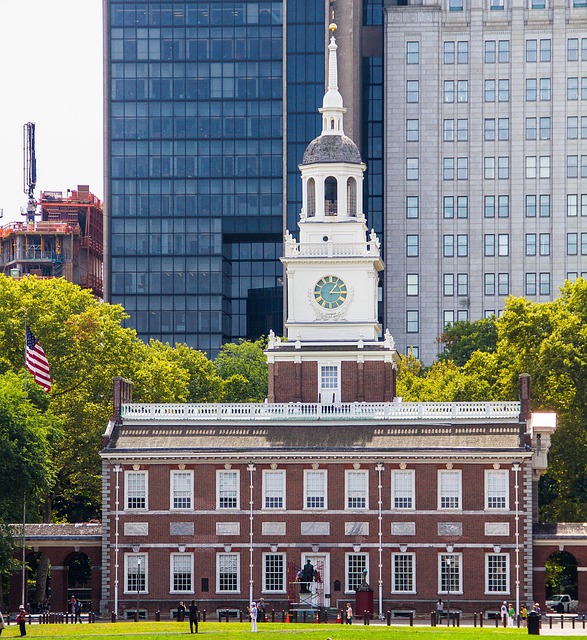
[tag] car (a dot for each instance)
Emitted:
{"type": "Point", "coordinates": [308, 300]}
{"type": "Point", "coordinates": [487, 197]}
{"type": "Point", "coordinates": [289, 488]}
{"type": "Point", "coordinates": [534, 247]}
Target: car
{"type": "Point", "coordinates": [562, 603]}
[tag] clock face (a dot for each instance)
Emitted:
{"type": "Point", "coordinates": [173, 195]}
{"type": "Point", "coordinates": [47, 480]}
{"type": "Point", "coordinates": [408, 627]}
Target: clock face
{"type": "Point", "coordinates": [330, 292]}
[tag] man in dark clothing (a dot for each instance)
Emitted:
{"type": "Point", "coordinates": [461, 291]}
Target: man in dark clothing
{"type": "Point", "coordinates": [261, 614]}
{"type": "Point", "coordinates": [180, 611]}
{"type": "Point", "coordinates": [193, 614]}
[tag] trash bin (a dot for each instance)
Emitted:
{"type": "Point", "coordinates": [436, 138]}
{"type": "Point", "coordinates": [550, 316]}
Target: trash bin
{"type": "Point", "coordinates": [533, 623]}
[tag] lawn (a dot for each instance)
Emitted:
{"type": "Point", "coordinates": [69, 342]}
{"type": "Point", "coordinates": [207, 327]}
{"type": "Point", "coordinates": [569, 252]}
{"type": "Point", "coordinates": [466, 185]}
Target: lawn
{"type": "Point", "coordinates": [236, 631]}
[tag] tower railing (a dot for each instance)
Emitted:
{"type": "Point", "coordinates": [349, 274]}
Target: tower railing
{"type": "Point", "coordinates": [330, 249]}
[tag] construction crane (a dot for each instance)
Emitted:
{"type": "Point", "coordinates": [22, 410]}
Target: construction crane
{"type": "Point", "coordinates": [30, 170]}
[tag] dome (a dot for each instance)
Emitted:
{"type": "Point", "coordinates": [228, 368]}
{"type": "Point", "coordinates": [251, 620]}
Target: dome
{"type": "Point", "coordinates": [331, 148]}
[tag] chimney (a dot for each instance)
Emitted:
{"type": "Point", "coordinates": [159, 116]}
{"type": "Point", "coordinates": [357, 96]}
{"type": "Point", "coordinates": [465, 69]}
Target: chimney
{"type": "Point", "coordinates": [121, 394]}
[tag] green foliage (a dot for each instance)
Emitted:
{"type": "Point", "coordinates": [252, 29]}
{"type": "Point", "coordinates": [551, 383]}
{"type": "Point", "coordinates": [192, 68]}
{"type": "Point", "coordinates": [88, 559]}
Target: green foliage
{"type": "Point", "coordinates": [246, 360]}
{"type": "Point", "coordinates": [463, 338]}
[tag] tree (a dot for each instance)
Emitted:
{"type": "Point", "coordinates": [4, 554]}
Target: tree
{"type": "Point", "coordinates": [245, 359]}
{"type": "Point", "coordinates": [462, 338]}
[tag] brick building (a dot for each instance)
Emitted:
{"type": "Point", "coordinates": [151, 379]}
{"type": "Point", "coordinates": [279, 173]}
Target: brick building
{"type": "Point", "coordinates": [226, 503]}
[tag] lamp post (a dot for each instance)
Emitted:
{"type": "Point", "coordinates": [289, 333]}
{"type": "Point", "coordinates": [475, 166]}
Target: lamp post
{"type": "Point", "coordinates": [138, 587]}
{"type": "Point", "coordinates": [448, 576]}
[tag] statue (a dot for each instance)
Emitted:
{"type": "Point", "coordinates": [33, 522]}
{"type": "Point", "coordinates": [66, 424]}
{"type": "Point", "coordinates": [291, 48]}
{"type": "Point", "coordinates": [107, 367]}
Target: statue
{"type": "Point", "coordinates": [364, 586]}
{"type": "Point", "coordinates": [307, 575]}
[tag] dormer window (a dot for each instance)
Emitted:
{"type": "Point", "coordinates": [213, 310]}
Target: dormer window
{"type": "Point", "coordinates": [330, 196]}
{"type": "Point", "coordinates": [351, 195]}
{"type": "Point", "coordinates": [311, 198]}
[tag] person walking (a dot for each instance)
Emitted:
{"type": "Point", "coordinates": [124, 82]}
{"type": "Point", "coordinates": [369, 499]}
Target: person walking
{"type": "Point", "coordinates": [180, 611]}
{"type": "Point", "coordinates": [504, 614]}
{"type": "Point", "coordinates": [524, 616]}
{"type": "Point", "coordinates": [511, 615]}
{"type": "Point", "coordinates": [349, 614]}
{"type": "Point", "coordinates": [21, 620]}
{"type": "Point", "coordinates": [193, 615]}
{"type": "Point", "coordinates": [439, 610]}
{"type": "Point", "coordinates": [253, 614]}
{"type": "Point", "coordinates": [261, 614]}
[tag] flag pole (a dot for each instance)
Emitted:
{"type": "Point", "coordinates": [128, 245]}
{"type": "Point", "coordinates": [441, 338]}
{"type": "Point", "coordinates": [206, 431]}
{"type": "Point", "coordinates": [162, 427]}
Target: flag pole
{"type": "Point", "coordinates": [24, 353]}
{"type": "Point", "coordinates": [23, 548]}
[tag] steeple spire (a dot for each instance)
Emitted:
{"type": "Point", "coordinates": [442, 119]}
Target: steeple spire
{"type": "Point", "coordinates": [332, 109]}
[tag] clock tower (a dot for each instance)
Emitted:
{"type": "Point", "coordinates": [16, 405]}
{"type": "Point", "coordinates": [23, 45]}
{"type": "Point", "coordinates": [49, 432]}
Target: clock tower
{"type": "Point", "coordinates": [332, 353]}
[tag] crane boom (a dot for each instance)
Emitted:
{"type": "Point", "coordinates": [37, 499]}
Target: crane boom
{"type": "Point", "coordinates": [30, 169]}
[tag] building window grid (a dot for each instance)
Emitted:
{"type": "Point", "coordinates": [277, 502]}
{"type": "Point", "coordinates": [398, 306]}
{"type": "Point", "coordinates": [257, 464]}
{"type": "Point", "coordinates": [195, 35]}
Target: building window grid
{"type": "Point", "coordinates": [412, 207]}
{"type": "Point", "coordinates": [503, 284]}
{"type": "Point", "coordinates": [544, 244]}
{"type": "Point", "coordinates": [449, 489]}
{"type": "Point", "coordinates": [503, 90]}
{"type": "Point", "coordinates": [412, 245]}
{"type": "Point", "coordinates": [489, 284]}
{"type": "Point", "coordinates": [503, 168]}
{"type": "Point", "coordinates": [489, 168]}
{"type": "Point", "coordinates": [530, 284]}
{"type": "Point", "coordinates": [182, 483]}
{"type": "Point", "coordinates": [315, 489]}
{"type": "Point", "coordinates": [136, 573]}
{"type": "Point", "coordinates": [448, 284]}
{"type": "Point", "coordinates": [412, 284]}
{"type": "Point", "coordinates": [402, 579]}
{"type": "Point", "coordinates": [412, 130]}
{"type": "Point", "coordinates": [503, 244]}
{"type": "Point", "coordinates": [503, 206]}
{"type": "Point", "coordinates": [273, 489]}
{"type": "Point", "coordinates": [544, 89]}
{"type": "Point", "coordinates": [450, 573]}
{"type": "Point", "coordinates": [462, 284]}
{"type": "Point", "coordinates": [462, 245]}
{"type": "Point", "coordinates": [497, 573]}
{"type": "Point", "coordinates": [489, 245]}
{"type": "Point", "coordinates": [357, 489]}
{"type": "Point", "coordinates": [356, 564]}
{"type": "Point", "coordinates": [462, 207]}
{"type": "Point", "coordinates": [274, 572]}
{"type": "Point", "coordinates": [544, 283]}
{"type": "Point", "coordinates": [412, 52]}
{"type": "Point", "coordinates": [228, 572]}
{"type": "Point", "coordinates": [412, 321]}
{"type": "Point", "coordinates": [403, 483]}
{"type": "Point", "coordinates": [496, 489]}
{"type": "Point", "coordinates": [530, 244]}
{"type": "Point", "coordinates": [182, 572]}
{"type": "Point", "coordinates": [136, 489]}
{"type": "Point", "coordinates": [572, 244]}
{"type": "Point", "coordinates": [448, 207]}
{"type": "Point", "coordinates": [412, 91]}
{"type": "Point", "coordinates": [227, 489]}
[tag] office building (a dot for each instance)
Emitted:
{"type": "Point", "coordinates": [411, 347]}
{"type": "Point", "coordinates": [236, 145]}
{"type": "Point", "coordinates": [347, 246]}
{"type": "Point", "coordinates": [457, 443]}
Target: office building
{"type": "Point", "coordinates": [209, 106]}
{"type": "Point", "coordinates": [486, 158]}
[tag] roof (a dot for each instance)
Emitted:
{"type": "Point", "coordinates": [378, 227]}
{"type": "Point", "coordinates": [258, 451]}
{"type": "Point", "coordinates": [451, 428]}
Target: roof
{"type": "Point", "coordinates": [331, 148]}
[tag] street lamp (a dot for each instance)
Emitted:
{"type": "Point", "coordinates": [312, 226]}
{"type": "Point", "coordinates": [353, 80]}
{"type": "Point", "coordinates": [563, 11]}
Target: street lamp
{"type": "Point", "coordinates": [138, 587]}
{"type": "Point", "coordinates": [448, 576]}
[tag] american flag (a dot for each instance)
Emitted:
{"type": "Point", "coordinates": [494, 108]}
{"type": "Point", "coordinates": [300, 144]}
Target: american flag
{"type": "Point", "coordinates": [36, 361]}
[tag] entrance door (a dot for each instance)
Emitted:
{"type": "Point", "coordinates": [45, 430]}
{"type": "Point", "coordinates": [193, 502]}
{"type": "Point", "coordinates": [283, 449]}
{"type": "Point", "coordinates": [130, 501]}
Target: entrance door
{"type": "Point", "coordinates": [321, 585]}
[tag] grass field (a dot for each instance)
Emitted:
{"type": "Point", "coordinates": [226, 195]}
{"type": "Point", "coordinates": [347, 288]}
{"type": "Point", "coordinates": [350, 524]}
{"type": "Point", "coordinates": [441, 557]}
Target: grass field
{"type": "Point", "coordinates": [237, 631]}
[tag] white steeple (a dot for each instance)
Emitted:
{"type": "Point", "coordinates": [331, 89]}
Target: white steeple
{"type": "Point", "coordinates": [332, 109]}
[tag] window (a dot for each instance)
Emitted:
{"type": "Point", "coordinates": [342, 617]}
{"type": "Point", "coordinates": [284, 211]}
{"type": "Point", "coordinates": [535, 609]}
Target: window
{"type": "Point", "coordinates": [503, 168]}
{"type": "Point", "coordinates": [412, 246]}
{"type": "Point", "coordinates": [462, 91]}
{"type": "Point", "coordinates": [448, 168]}
{"type": "Point", "coordinates": [503, 128]}
{"type": "Point", "coordinates": [531, 89]}
{"type": "Point", "coordinates": [572, 88]}
{"type": "Point", "coordinates": [412, 321]}
{"type": "Point", "coordinates": [530, 244]}
{"type": "Point", "coordinates": [449, 53]}
{"type": "Point", "coordinates": [403, 489]}
{"type": "Point", "coordinates": [489, 168]}
{"type": "Point", "coordinates": [412, 91]}
{"type": "Point", "coordinates": [497, 4]}
{"type": "Point", "coordinates": [531, 50]}
{"type": "Point", "coordinates": [503, 209]}
{"type": "Point", "coordinates": [573, 49]}
{"type": "Point", "coordinates": [449, 91]}
{"type": "Point", "coordinates": [462, 52]}
{"type": "Point", "coordinates": [489, 129]}
{"type": "Point", "coordinates": [584, 204]}
{"type": "Point", "coordinates": [448, 246]}
{"type": "Point", "coordinates": [497, 573]}
{"type": "Point", "coordinates": [462, 206]}
{"type": "Point", "coordinates": [449, 570]}
{"type": "Point", "coordinates": [544, 244]}
{"type": "Point", "coordinates": [412, 168]}
{"type": "Point", "coordinates": [455, 5]}
{"type": "Point", "coordinates": [403, 573]}
{"type": "Point", "coordinates": [583, 245]}
{"type": "Point", "coordinates": [503, 244]}
{"type": "Point", "coordinates": [530, 206]}
{"type": "Point", "coordinates": [544, 283]}
{"type": "Point", "coordinates": [412, 206]}
{"type": "Point", "coordinates": [311, 198]}
{"type": "Point", "coordinates": [274, 572]}
{"type": "Point", "coordinates": [489, 245]}
{"type": "Point", "coordinates": [357, 489]}
{"type": "Point", "coordinates": [448, 130]}
{"type": "Point", "coordinates": [572, 244]}
{"type": "Point", "coordinates": [504, 51]}
{"type": "Point", "coordinates": [544, 206]}
{"type": "Point", "coordinates": [544, 89]}
{"type": "Point", "coordinates": [462, 245]}
{"type": "Point", "coordinates": [530, 287]}
{"type": "Point", "coordinates": [583, 166]}
{"type": "Point", "coordinates": [227, 489]}
{"type": "Point", "coordinates": [135, 573]}
{"type": "Point", "coordinates": [412, 52]}
{"type": "Point", "coordinates": [572, 204]}
{"type": "Point", "coordinates": [462, 284]}
{"type": "Point", "coordinates": [182, 572]}
{"type": "Point", "coordinates": [572, 166]}
{"type": "Point", "coordinates": [182, 489]}
{"type": "Point", "coordinates": [489, 207]}
{"type": "Point", "coordinates": [530, 166]}
{"type": "Point", "coordinates": [538, 4]}
{"type": "Point", "coordinates": [462, 168]}
{"type": "Point", "coordinates": [448, 318]}
{"type": "Point", "coordinates": [462, 315]}
{"type": "Point", "coordinates": [545, 47]}
{"type": "Point", "coordinates": [412, 284]}
{"type": "Point", "coordinates": [412, 130]}
{"type": "Point", "coordinates": [490, 51]}
{"type": "Point", "coordinates": [228, 572]}
{"type": "Point", "coordinates": [273, 489]}
{"type": "Point", "coordinates": [449, 489]}
{"type": "Point", "coordinates": [315, 482]}
{"type": "Point", "coordinates": [583, 127]}
{"type": "Point", "coordinates": [449, 207]}
{"type": "Point", "coordinates": [503, 284]}
{"type": "Point", "coordinates": [544, 166]}
{"type": "Point", "coordinates": [448, 286]}
{"type": "Point", "coordinates": [572, 127]}
{"type": "Point", "coordinates": [351, 197]}
{"type": "Point", "coordinates": [531, 128]}
{"type": "Point", "coordinates": [489, 284]}
{"type": "Point", "coordinates": [545, 128]}
{"type": "Point", "coordinates": [572, 276]}
{"type": "Point", "coordinates": [136, 489]}
{"type": "Point", "coordinates": [583, 49]}
{"type": "Point", "coordinates": [329, 382]}
{"type": "Point", "coordinates": [489, 91]}
{"type": "Point", "coordinates": [503, 93]}
{"type": "Point", "coordinates": [356, 563]}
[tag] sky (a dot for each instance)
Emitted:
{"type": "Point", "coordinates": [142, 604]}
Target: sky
{"type": "Point", "coordinates": [50, 74]}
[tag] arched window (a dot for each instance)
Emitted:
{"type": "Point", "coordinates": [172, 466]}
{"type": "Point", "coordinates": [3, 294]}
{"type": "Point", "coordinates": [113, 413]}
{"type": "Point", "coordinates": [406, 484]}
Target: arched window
{"type": "Point", "coordinates": [351, 197]}
{"type": "Point", "coordinates": [311, 200]}
{"type": "Point", "coordinates": [330, 196]}
{"type": "Point", "coordinates": [332, 123]}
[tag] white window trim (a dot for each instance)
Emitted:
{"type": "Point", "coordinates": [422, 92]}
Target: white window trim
{"type": "Point", "coordinates": [171, 567]}
{"type": "Point", "coordinates": [126, 475]}
{"type": "Point", "coordinates": [144, 570]}
{"type": "Point", "coordinates": [347, 555]}
{"type": "Point", "coordinates": [393, 555]}
{"type": "Point", "coordinates": [282, 473]}
{"type": "Point", "coordinates": [325, 474]}
{"type": "Point", "coordinates": [264, 587]}
{"type": "Point", "coordinates": [508, 574]}
{"type": "Point", "coordinates": [505, 473]}
{"type": "Point", "coordinates": [460, 475]}
{"type": "Point", "coordinates": [238, 489]}
{"type": "Point", "coordinates": [238, 572]}
{"type": "Point", "coordinates": [171, 485]}
{"type": "Point", "coordinates": [324, 398]}
{"type": "Point", "coordinates": [363, 472]}
{"type": "Point", "coordinates": [441, 557]}
{"type": "Point", "coordinates": [412, 473]}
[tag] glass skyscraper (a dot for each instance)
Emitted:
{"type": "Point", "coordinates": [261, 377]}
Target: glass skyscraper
{"type": "Point", "coordinates": [209, 106]}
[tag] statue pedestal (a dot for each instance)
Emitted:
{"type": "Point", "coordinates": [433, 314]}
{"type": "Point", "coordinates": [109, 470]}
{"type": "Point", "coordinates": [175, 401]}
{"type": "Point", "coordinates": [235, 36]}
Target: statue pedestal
{"type": "Point", "coordinates": [363, 602]}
